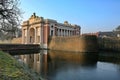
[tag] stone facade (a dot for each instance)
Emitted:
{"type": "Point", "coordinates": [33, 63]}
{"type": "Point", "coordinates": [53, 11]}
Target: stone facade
{"type": "Point", "coordinates": [36, 30]}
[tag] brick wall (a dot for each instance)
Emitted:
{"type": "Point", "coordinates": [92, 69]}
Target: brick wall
{"type": "Point", "coordinates": [75, 43]}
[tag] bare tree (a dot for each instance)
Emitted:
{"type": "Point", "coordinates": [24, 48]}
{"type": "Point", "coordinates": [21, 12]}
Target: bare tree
{"type": "Point", "coordinates": [10, 15]}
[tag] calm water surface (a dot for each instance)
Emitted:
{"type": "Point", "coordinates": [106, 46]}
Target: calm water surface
{"type": "Point", "coordinates": [57, 65]}
{"type": "Point", "coordinates": [78, 66]}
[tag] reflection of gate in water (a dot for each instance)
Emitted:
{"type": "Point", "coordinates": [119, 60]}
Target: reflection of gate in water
{"type": "Point", "coordinates": [36, 61]}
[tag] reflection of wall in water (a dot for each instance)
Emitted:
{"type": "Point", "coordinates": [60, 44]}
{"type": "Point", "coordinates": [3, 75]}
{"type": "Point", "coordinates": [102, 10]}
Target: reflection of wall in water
{"type": "Point", "coordinates": [72, 56]}
{"type": "Point", "coordinates": [106, 56]}
{"type": "Point", "coordinates": [58, 60]}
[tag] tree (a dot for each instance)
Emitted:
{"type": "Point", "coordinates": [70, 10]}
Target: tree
{"type": "Point", "coordinates": [10, 15]}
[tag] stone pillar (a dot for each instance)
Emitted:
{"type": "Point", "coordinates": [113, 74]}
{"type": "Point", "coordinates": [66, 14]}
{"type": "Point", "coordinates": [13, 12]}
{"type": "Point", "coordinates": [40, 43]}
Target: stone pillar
{"type": "Point", "coordinates": [27, 36]}
{"type": "Point", "coordinates": [73, 32]}
{"type": "Point", "coordinates": [23, 35]}
{"type": "Point", "coordinates": [68, 32]}
{"type": "Point", "coordinates": [38, 34]}
{"type": "Point", "coordinates": [35, 40]}
{"type": "Point", "coordinates": [58, 32]}
{"type": "Point", "coordinates": [41, 34]}
{"type": "Point", "coordinates": [55, 31]}
{"type": "Point", "coordinates": [61, 32]}
{"type": "Point", "coordinates": [45, 35]}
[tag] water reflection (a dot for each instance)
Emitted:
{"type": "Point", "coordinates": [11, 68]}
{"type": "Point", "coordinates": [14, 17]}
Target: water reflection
{"type": "Point", "coordinates": [58, 65]}
{"type": "Point", "coordinates": [113, 57]}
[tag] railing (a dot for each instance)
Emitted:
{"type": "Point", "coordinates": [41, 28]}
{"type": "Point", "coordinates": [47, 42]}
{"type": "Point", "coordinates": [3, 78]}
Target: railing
{"type": "Point", "coordinates": [17, 49]}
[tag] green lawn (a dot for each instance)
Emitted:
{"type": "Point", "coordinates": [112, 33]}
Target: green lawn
{"type": "Point", "coordinates": [10, 69]}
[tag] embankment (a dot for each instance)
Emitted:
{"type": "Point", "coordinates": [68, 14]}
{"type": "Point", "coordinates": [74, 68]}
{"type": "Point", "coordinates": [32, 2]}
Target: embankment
{"type": "Point", "coordinates": [75, 43]}
{"type": "Point", "coordinates": [109, 44]}
{"type": "Point", "coordinates": [11, 69]}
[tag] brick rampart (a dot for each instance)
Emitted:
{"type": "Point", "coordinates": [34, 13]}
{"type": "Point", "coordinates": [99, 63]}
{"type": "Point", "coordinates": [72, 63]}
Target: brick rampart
{"type": "Point", "coordinates": [75, 43]}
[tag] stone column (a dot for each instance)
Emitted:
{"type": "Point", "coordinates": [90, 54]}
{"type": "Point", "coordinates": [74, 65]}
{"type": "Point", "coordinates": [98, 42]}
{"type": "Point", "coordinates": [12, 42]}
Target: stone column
{"type": "Point", "coordinates": [55, 31]}
{"type": "Point", "coordinates": [45, 37]}
{"type": "Point", "coordinates": [68, 32]}
{"type": "Point", "coordinates": [58, 32]}
{"type": "Point", "coordinates": [61, 32]}
{"type": "Point", "coordinates": [23, 35]}
{"type": "Point", "coordinates": [41, 34]}
{"type": "Point", "coordinates": [27, 36]}
{"type": "Point", "coordinates": [35, 40]}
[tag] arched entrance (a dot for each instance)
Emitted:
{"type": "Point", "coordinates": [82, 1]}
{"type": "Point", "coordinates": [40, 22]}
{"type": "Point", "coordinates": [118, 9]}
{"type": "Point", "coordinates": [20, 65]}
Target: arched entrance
{"type": "Point", "coordinates": [32, 35]}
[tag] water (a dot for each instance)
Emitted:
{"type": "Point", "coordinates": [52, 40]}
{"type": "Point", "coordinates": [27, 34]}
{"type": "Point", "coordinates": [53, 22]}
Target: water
{"type": "Point", "coordinates": [80, 66]}
{"type": "Point", "coordinates": [57, 65]}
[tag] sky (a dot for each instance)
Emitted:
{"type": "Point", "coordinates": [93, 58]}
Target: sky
{"type": "Point", "coordinates": [91, 15]}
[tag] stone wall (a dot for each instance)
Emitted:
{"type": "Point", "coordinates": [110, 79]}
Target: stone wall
{"type": "Point", "coordinates": [16, 40]}
{"type": "Point", "coordinates": [111, 44]}
{"type": "Point", "coordinates": [75, 43]}
{"type": "Point", "coordinates": [5, 41]}
{"type": "Point", "coordinates": [13, 41]}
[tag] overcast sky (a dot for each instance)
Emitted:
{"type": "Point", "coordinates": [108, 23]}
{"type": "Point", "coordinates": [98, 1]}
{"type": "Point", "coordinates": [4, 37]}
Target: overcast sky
{"type": "Point", "coordinates": [91, 15]}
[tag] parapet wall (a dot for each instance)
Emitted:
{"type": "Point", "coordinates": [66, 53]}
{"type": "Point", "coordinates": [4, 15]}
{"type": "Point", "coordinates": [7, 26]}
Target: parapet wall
{"type": "Point", "coordinates": [75, 43]}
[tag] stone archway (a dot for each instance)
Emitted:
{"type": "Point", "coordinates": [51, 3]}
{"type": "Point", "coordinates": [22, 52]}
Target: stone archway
{"type": "Point", "coordinates": [32, 35]}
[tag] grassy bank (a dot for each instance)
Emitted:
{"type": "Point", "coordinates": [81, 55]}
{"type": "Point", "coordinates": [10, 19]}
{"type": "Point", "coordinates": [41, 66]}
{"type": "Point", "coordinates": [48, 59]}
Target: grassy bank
{"type": "Point", "coordinates": [10, 69]}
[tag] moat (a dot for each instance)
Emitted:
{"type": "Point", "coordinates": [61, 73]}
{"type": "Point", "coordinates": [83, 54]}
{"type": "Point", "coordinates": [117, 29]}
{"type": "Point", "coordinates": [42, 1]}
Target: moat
{"type": "Point", "coordinates": [57, 65]}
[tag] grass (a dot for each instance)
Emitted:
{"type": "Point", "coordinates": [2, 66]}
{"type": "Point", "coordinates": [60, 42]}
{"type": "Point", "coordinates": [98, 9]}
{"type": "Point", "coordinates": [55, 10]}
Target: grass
{"type": "Point", "coordinates": [11, 69]}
